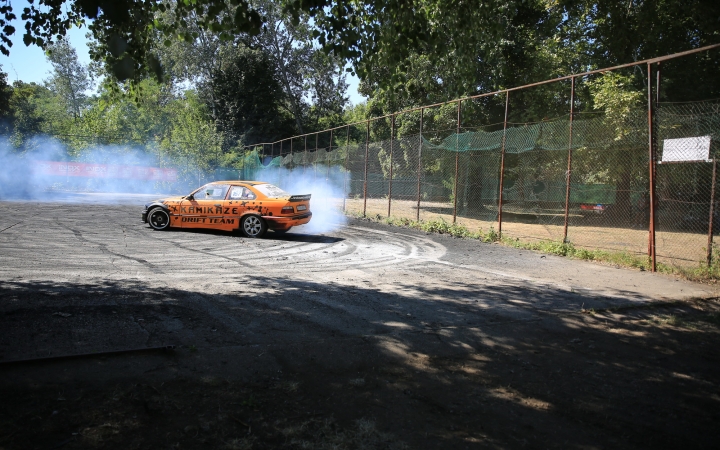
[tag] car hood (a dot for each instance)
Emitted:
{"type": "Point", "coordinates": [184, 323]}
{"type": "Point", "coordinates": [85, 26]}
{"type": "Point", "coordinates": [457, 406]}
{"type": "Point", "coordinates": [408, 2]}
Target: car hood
{"type": "Point", "coordinates": [164, 200]}
{"type": "Point", "coordinates": [171, 199]}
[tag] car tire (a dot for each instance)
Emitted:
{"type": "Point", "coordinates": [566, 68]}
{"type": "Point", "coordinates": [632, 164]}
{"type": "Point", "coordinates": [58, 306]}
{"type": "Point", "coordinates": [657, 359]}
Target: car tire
{"type": "Point", "coordinates": [158, 218]}
{"type": "Point", "coordinates": [253, 226]}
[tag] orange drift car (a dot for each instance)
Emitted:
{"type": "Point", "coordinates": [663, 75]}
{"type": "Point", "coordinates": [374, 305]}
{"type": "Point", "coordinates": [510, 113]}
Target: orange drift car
{"type": "Point", "coordinates": [250, 206]}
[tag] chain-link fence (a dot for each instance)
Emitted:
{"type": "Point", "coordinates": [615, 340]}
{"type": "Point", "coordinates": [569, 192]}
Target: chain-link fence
{"type": "Point", "coordinates": [421, 165]}
{"type": "Point", "coordinates": [639, 181]}
{"type": "Point", "coordinates": [686, 198]}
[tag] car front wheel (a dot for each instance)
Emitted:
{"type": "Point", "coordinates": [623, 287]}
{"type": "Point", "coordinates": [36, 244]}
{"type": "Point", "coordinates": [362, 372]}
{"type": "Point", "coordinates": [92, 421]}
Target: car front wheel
{"type": "Point", "coordinates": [253, 226]}
{"type": "Point", "coordinates": [158, 218]}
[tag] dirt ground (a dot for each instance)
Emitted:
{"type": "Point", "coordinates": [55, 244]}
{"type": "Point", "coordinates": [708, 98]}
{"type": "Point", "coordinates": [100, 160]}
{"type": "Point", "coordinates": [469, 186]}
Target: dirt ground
{"type": "Point", "coordinates": [675, 248]}
{"type": "Point", "coordinates": [367, 337]}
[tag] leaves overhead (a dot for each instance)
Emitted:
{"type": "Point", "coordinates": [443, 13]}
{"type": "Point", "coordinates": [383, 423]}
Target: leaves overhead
{"type": "Point", "coordinates": [124, 28]}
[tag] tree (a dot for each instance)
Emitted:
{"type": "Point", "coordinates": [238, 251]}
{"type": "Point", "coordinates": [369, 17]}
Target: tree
{"type": "Point", "coordinates": [123, 28]}
{"type": "Point", "coordinates": [374, 34]}
{"type": "Point", "coordinates": [141, 115]}
{"type": "Point", "coordinates": [27, 118]}
{"type": "Point", "coordinates": [248, 98]}
{"type": "Point", "coordinates": [192, 140]}
{"type": "Point", "coordinates": [69, 79]}
{"type": "Point", "coordinates": [194, 61]}
{"type": "Point", "coordinates": [622, 32]}
{"type": "Point", "coordinates": [313, 81]}
{"type": "Point", "coordinates": [5, 110]}
{"type": "Point", "coordinates": [327, 86]}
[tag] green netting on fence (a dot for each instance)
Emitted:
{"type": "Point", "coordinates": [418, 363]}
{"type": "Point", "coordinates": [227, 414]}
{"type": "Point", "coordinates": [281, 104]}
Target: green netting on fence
{"type": "Point", "coordinates": [596, 132]}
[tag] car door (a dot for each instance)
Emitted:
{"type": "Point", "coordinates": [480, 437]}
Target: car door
{"type": "Point", "coordinates": [237, 203]}
{"type": "Point", "coordinates": [204, 209]}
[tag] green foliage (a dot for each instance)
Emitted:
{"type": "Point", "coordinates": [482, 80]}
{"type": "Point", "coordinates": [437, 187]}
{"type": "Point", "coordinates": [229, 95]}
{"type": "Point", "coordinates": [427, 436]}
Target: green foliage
{"type": "Point", "coordinates": [191, 137]}
{"type": "Point", "coordinates": [124, 28]}
{"type": "Point", "coordinates": [615, 94]}
{"type": "Point", "coordinates": [69, 79]}
{"type": "Point", "coordinates": [28, 105]}
{"type": "Point", "coordinates": [419, 50]}
{"type": "Point", "coordinates": [5, 110]}
{"type": "Point", "coordinates": [248, 100]}
{"type": "Point", "coordinates": [311, 79]}
{"type": "Point", "coordinates": [133, 118]}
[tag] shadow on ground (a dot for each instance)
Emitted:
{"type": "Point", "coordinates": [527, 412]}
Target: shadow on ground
{"type": "Point", "coordinates": [282, 363]}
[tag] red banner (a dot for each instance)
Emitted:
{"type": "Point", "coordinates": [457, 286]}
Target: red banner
{"type": "Point", "coordinates": [74, 169]}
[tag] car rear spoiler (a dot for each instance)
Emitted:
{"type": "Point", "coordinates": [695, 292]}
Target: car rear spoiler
{"type": "Point", "coordinates": [300, 198]}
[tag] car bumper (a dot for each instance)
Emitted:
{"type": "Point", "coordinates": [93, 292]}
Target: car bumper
{"type": "Point", "coordinates": [283, 223]}
{"type": "Point", "coordinates": [144, 216]}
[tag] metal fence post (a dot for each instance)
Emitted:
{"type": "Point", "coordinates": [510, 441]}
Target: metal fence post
{"type": "Point", "coordinates": [651, 151]}
{"type": "Point", "coordinates": [347, 166]}
{"type": "Point", "coordinates": [280, 154]}
{"type": "Point", "coordinates": [317, 136]}
{"type": "Point", "coordinates": [569, 164]}
{"type": "Point", "coordinates": [502, 164]}
{"type": "Point", "coordinates": [365, 182]}
{"type": "Point", "coordinates": [712, 213]}
{"type": "Point", "coordinates": [327, 163]}
{"type": "Point", "coordinates": [392, 145]}
{"type": "Point", "coordinates": [457, 161]}
{"type": "Point", "coordinates": [422, 112]}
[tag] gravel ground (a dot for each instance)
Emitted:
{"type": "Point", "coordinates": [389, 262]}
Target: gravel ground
{"type": "Point", "coordinates": [365, 337]}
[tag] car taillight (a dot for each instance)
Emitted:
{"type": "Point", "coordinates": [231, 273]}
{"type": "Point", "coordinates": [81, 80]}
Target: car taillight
{"type": "Point", "coordinates": [288, 210]}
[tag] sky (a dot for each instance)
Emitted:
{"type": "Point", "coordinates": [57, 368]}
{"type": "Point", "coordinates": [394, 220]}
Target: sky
{"type": "Point", "coordinates": [29, 64]}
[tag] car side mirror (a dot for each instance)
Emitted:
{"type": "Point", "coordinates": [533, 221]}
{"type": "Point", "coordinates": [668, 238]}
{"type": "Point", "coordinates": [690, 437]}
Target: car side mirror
{"type": "Point", "coordinates": [190, 197]}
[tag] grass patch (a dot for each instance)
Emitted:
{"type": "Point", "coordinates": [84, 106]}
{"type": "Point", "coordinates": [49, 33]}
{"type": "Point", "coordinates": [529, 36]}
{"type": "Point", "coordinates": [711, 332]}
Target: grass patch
{"type": "Point", "coordinates": [439, 227]}
{"type": "Point", "coordinates": [701, 273]}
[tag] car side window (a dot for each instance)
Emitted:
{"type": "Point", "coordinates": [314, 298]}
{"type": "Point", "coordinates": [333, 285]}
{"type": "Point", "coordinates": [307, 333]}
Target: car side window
{"type": "Point", "coordinates": [241, 193]}
{"type": "Point", "coordinates": [212, 192]}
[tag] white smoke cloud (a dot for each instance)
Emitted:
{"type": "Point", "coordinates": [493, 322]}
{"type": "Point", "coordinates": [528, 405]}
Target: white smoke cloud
{"type": "Point", "coordinates": [326, 186]}
{"type": "Point", "coordinates": [20, 180]}
{"type": "Point", "coordinates": [21, 177]}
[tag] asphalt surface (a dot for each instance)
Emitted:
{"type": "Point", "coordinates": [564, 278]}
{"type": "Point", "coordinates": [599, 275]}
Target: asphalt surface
{"type": "Point", "coordinates": [87, 277]}
{"type": "Point", "coordinates": [362, 279]}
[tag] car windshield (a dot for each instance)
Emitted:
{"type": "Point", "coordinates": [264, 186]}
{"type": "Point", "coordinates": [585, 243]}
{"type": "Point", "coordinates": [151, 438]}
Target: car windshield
{"type": "Point", "coordinates": [270, 190]}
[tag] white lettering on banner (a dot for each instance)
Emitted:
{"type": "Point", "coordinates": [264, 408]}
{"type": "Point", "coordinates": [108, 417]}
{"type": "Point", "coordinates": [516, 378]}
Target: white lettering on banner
{"type": "Point", "coordinates": [60, 168]}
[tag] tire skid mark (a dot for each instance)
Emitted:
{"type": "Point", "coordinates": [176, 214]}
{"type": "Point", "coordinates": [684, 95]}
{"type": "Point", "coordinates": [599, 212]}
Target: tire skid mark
{"type": "Point", "coordinates": [301, 249]}
{"type": "Point", "coordinates": [314, 262]}
{"type": "Point", "coordinates": [242, 252]}
{"type": "Point", "coordinates": [433, 250]}
{"type": "Point", "coordinates": [376, 263]}
{"type": "Point", "coordinates": [7, 228]}
{"type": "Point", "coordinates": [204, 252]}
{"type": "Point", "coordinates": [288, 246]}
{"type": "Point", "coordinates": [153, 268]}
{"type": "Point", "coordinates": [252, 255]}
{"type": "Point", "coordinates": [404, 247]}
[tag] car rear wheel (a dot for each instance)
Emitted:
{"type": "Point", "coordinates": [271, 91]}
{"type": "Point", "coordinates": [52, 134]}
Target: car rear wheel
{"type": "Point", "coordinates": [158, 218]}
{"type": "Point", "coordinates": [253, 226]}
